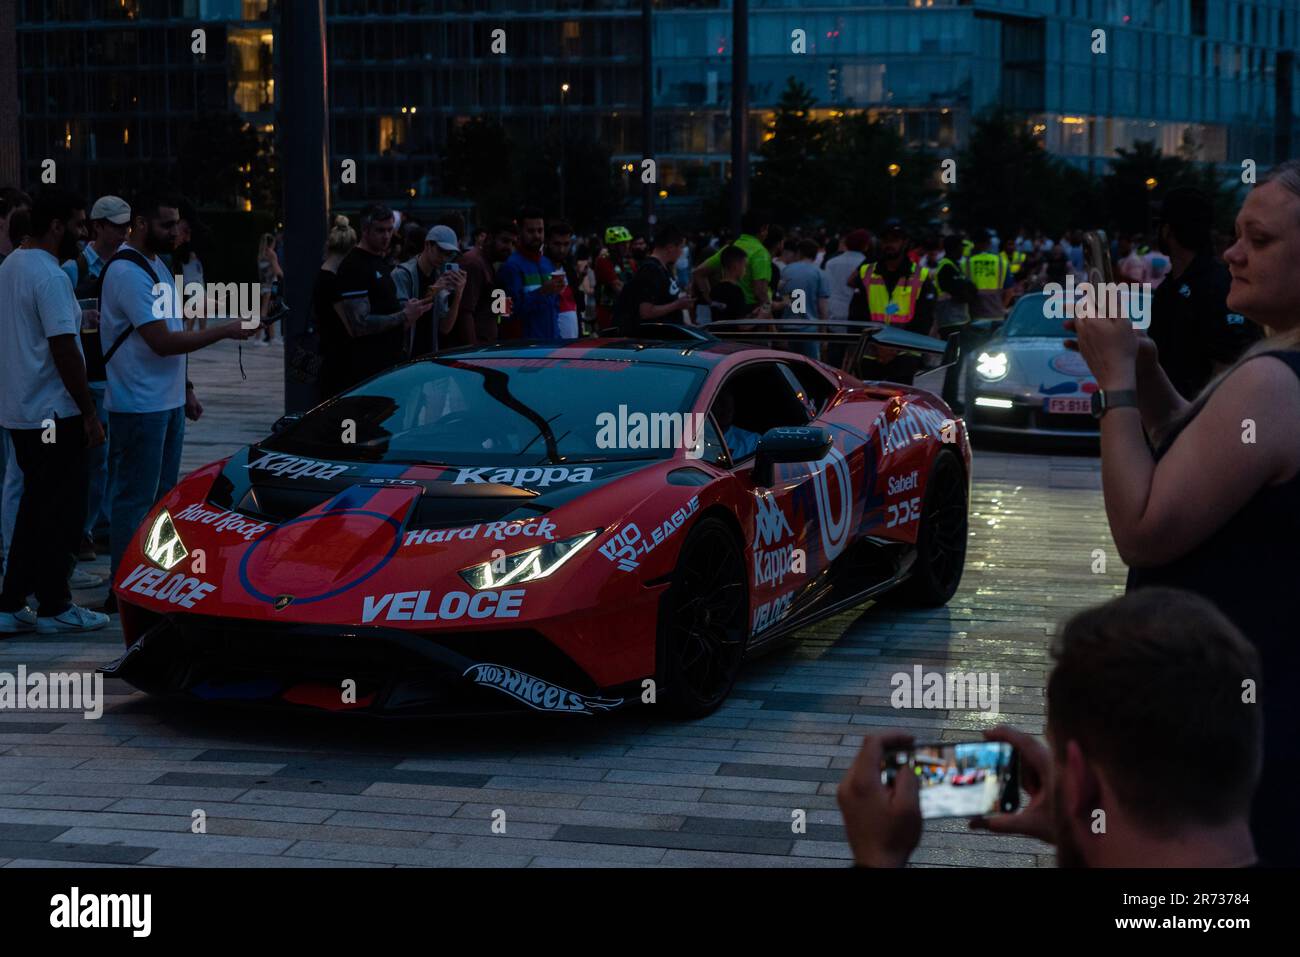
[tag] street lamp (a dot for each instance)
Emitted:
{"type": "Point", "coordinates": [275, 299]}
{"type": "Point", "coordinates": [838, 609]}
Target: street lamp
{"type": "Point", "coordinates": [893, 169]}
{"type": "Point", "coordinates": [1151, 184]}
{"type": "Point", "coordinates": [564, 95]}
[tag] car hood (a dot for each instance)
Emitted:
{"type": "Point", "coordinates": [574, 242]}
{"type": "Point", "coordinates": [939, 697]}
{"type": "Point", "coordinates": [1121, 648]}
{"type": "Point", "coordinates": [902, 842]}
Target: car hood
{"type": "Point", "coordinates": [279, 487]}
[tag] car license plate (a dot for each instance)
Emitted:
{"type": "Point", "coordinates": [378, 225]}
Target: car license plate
{"type": "Point", "coordinates": [1069, 405]}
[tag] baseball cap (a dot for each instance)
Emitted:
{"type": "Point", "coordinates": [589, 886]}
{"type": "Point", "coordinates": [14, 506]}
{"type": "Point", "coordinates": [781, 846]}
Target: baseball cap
{"type": "Point", "coordinates": [893, 225]}
{"type": "Point", "coordinates": [113, 208]}
{"type": "Point", "coordinates": [444, 237]}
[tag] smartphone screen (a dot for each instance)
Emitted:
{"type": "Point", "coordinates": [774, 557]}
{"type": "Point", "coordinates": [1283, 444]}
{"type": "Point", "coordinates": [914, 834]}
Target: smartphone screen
{"type": "Point", "coordinates": [960, 780]}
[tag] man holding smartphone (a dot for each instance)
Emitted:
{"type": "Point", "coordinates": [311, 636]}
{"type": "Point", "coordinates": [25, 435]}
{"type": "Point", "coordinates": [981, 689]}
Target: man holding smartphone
{"type": "Point", "coordinates": [148, 397]}
{"type": "Point", "coordinates": [435, 276]}
{"type": "Point", "coordinates": [1170, 764]}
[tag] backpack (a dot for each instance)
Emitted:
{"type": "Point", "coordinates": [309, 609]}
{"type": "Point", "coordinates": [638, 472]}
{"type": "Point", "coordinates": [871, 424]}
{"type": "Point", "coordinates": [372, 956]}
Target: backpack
{"type": "Point", "coordinates": [91, 344]}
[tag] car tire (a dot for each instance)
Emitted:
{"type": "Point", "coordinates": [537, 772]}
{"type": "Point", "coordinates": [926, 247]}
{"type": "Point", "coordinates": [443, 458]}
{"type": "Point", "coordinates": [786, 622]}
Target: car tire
{"type": "Point", "coordinates": [703, 622]}
{"type": "Point", "coordinates": [941, 538]}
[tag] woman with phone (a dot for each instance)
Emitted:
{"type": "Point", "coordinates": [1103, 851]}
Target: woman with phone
{"type": "Point", "coordinates": [1214, 507]}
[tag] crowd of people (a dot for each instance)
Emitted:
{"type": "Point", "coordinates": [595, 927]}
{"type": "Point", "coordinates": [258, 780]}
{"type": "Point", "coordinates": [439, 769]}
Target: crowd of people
{"type": "Point", "coordinates": [95, 393]}
{"type": "Point", "coordinates": [1146, 712]}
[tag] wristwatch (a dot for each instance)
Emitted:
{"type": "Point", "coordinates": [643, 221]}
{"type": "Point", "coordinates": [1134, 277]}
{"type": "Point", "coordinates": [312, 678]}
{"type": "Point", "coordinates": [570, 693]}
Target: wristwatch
{"type": "Point", "coordinates": [1103, 402]}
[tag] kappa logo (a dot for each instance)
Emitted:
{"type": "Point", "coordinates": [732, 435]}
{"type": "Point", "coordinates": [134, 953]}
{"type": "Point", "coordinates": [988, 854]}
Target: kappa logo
{"type": "Point", "coordinates": [537, 693]}
{"type": "Point", "coordinates": [291, 466]}
{"type": "Point", "coordinates": [523, 477]}
{"type": "Point", "coordinates": [771, 567]}
{"type": "Point", "coordinates": [770, 523]}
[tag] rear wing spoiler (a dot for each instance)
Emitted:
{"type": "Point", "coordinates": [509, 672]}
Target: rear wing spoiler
{"type": "Point", "coordinates": [856, 335]}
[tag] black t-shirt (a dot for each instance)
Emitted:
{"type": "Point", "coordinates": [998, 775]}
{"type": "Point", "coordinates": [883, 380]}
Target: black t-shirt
{"type": "Point", "coordinates": [1249, 568]}
{"type": "Point", "coordinates": [949, 279]}
{"type": "Point", "coordinates": [653, 284]}
{"type": "Point", "coordinates": [364, 275]}
{"type": "Point", "coordinates": [1193, 328]}
{"type": "Point", "coordinates": [335, 370]}
{"type": "Point", "coordinates": [728, 302]}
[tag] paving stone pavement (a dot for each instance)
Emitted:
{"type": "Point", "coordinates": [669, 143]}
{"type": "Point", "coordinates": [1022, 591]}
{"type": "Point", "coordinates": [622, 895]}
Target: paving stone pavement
{"type": "Point", "coordinates": [617, 790]}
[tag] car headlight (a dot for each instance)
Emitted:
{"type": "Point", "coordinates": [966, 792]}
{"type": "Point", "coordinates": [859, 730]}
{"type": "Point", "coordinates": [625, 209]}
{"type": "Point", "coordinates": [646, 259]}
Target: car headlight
{"type": "Point", "coordinates": [991, 366]}
{"type": "Point", "coordinates": [527, 566]}
{"type": "Point", "coordinates": [163, 546]}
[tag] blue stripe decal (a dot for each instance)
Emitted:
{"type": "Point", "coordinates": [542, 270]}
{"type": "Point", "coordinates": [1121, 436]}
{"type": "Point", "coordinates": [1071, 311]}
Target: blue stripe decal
{"type": "Point", "coordinates": [350, 498]}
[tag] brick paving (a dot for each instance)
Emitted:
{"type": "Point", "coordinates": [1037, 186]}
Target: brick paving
{"type": "Point", "coordinates": [618, 790]}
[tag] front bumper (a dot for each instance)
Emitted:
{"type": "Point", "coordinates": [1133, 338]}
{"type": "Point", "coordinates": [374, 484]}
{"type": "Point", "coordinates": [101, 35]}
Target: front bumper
{"type": "Point", "coordinates": [337, 668]}
{"type": "Point", "coordinates": [1027, 418]}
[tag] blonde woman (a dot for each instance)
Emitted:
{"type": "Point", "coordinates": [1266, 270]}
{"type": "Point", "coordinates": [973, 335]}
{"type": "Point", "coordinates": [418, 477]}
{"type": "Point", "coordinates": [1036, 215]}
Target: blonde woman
{"type": "Point", "coordinates": [270, 276]}
{"type": "Point", "coordinates": [335, 372]}
{"type": "Point", "coordinates": [1215, 509]}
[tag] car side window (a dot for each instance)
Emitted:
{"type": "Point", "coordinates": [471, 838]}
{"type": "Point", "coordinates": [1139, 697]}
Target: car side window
{"type": "Point", "coordinates": [713, 450]}
{"type": "Point", "coordinates": [754, 399]}
{"type": "Point", "coordinates": [814, 388]}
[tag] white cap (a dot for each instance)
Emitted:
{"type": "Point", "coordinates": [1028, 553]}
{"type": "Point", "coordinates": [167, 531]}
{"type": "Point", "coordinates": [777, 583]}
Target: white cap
{"type": "Point", "coordinates": [113, 208]}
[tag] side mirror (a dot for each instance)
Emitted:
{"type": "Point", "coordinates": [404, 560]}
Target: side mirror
{"type": "Point", "coordinates": [788, 444]}
{"type": "Point", "coordinates": [952, 350]}
{"type": "Point", "coordinates": [284, 421]}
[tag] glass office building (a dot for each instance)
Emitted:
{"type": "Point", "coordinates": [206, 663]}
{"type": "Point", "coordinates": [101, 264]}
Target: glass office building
{"type": "Point", "coordinates": [1215, 78]}
{"type": "Point", "coordinates": [105, 84]}
{"type": "Point", "coordinates": [107, 88]}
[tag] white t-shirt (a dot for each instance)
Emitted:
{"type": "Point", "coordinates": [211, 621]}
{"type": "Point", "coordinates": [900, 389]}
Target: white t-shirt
{"type": "Point", "coordinates": [139, 380]}
{"type": "Point", "coordinates": [38, 303]}
{"type": "Point", "coordinates": [838, 270]}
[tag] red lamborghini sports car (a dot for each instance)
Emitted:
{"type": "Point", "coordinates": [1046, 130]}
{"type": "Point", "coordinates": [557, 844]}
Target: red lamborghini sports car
{"type": "Point", "coordinates": [566, 527]}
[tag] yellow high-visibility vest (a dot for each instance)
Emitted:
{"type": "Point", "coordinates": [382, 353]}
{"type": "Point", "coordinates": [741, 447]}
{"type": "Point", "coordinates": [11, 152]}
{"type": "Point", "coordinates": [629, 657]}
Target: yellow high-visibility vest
{"type": "Point", "coordinates": [898, 307]}
{"type": "Point", "coordinates": [987, 271]}
{"type": "Point", "coordinates": [1016, 260]}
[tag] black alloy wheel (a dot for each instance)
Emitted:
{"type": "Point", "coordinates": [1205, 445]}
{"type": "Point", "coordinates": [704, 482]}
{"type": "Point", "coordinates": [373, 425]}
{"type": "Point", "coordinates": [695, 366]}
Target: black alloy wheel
{"type": "Point", "coordinates": [941, 539]}
{"type": "Point", "coordinates": [703, 622]}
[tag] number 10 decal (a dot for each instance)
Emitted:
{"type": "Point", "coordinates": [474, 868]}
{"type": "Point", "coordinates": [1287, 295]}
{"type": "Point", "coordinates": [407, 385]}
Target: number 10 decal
{"type": "Point", "coordinates": [834, 529]}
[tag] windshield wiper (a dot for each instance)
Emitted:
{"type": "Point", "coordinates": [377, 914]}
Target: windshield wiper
{"type": "Point", "coordinates": [544, 432]}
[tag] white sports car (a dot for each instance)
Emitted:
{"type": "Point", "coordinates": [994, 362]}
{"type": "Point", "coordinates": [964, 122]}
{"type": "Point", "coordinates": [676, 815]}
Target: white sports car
{"type": "Point", "coordinates": [1016, 377]}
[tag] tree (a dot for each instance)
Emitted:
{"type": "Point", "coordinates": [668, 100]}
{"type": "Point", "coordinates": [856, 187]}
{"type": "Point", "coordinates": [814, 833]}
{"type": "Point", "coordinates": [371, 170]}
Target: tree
{"type": "Point", "coordinates": [222, 160]}
{"type": "Point", "coordinates": [1005, 179]}
{"type": "Point", "coordinates": [476, 165]}
{"type": "Point", "coordinates": [837, 171]}
{"type": "Point", "coordinates": [788, 181]}
{"type": "Point", "coordinates": [1130, 201]}
{"type": "Point", "coordinates": [858, 183]}
{"type": "Point", "coordinates": [483, 163]}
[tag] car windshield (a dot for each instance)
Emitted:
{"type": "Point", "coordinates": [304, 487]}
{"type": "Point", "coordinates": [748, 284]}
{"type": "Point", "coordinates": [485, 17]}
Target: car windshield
{"type": "Point", "coordinates": [488, 410]}
{"type": "Point", "coordinates": [1027, 319]}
